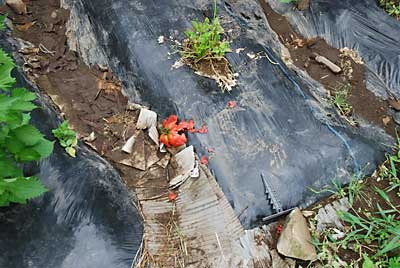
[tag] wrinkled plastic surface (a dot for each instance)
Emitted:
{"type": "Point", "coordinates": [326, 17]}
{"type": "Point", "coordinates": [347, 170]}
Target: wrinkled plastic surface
{"type": "Point", "coordinates": [358, 24]}
{"type": "Point", "coordinates": [85, 220]}
{"type": "Point", "coordinates": [275, 129]}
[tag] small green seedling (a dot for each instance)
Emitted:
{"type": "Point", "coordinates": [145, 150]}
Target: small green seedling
{"type": "Point", "coordinates": [339, 100]}
{"type": "Point", "coordinates": [67, 138]}
{"type": "Point", "coordinates": [204, 40]}
{"type": "Point", "coordinates": [289, 1]}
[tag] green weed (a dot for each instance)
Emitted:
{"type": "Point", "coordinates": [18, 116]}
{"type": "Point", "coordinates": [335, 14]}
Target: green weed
{"type": "Point", "coordinates": [67, 138]}
{"type": "Point", "coordinates": [20, 142]}
{"type": "Point", "coordinates": [339, 99]}
{"type": "Point", "coordinates": [376, 232]}
{"type": "Point", "coordinates": [353, 191]}
{"type": "Point", "coordinates": [390, 171]}
{"type": "Point", "coordinates": [204, 40]}
{"type": "Point", "coordinates": [392, 7]}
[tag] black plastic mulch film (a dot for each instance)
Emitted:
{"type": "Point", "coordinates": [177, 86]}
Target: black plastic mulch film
{"type": "Point", "coordinates": [276, 132]}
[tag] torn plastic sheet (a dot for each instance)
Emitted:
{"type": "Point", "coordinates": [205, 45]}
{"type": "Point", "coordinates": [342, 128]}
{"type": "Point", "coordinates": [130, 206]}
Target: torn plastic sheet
{"type": "Point", "coordinates": [86, 219]}
{"type": "Point", "coordinates": [275, 129]}
{"type": "Point", "coordinates": [358, 24]}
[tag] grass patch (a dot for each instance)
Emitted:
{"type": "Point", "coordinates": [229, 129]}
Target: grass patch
{"type": "Point", "coordinates": [390, 170]}
{"type": "Point", "coordinates": [371, 236]}
{"type": "Point", "coordinates": [339, 99]}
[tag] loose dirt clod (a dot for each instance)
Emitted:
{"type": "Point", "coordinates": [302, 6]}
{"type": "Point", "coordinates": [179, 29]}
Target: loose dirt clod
{"type": "Point", "coordinates": [18, 6]}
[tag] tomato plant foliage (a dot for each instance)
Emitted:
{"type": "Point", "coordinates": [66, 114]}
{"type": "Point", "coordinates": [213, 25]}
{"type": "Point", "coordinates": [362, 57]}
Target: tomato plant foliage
{"type": "Point", "coordinates": [20, 142]}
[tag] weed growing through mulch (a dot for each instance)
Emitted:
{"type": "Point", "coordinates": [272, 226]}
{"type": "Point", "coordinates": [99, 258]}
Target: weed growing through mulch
{"type": "Point", "coordinates": [392, 7]}
{"type": "Point", "coordinates": [204, 51]}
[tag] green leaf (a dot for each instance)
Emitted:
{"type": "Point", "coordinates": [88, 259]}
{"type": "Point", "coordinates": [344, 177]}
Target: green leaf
{"type": "Point", "coordinates": [383, 195]}
{"type": "Point", "coordinates": [20, 189]}
{"type": "Point", "coordinates": [71, 151]}
{"type": "Point", "coordinates": [44, 148]}
{"type": "Point", "coordinates": [23, 94]}
{"type": "Point", "coordinates": [67, 138]}
{"type": "Point", "coordinates": [391, 246]}
{"type": "Point", "coordinates": [368, 263]}
{"type": "Point", "coordinates": [14, 145]}
{"type": "Point", "coordinates": [8, 168]}
{"type": "Point", "coordinates": [27, 134]}
{"type": "Point", "coordinates": [27, 155]}
{"type": "Point", "coordinates": [6, 66]}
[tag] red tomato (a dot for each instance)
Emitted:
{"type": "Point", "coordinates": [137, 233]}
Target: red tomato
{"type": "Point", "coordinates": [172, 196]}
{"type": "Point", "coordinates": [204, 160]}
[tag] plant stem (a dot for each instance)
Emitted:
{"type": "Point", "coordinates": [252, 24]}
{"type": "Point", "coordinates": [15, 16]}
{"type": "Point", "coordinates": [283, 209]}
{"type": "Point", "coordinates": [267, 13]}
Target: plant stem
{"type": "Point", "coordinates": [215, 9]}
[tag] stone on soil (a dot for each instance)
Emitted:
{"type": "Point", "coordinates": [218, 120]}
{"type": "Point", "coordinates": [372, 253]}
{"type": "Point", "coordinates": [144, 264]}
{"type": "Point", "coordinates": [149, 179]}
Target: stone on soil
{"type": "Point", "coordinates": [295, 239]}
{"type": "Point", "coordinates": [303, 4]}
{"type": "Point", "coordinates": [327, 215]}
{"type": "Point", "coordinates": [18, 6]}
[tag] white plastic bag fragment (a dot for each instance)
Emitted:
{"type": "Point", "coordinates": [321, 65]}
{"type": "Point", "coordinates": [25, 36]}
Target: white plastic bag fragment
{"type": "Point", "coordinates": [147, 119]}
{"type": "Point", "coordinates": [153, 134]}
{"type": "Point", "coordinates": [185, 160]}
{"type": "Point", "coordinates": [127, 148]}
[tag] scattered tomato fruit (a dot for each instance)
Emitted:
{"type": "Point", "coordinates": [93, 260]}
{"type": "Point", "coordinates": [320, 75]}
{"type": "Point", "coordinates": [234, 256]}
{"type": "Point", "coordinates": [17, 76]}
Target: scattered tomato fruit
{"type": "Point", "coordinates": [172, 196]}
{"type": "Point", "coordinates": [279, 229]}
{"type": "Point", "coordinates": [172, 133]}
{"type": "Point", "coordinates": [232, 104]}
{"type": "Point", "coordinates": [204, 160]}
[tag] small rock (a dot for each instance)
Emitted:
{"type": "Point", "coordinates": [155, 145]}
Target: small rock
{"type": "Point", "coordinates": [303, 4]}
{"type": "Point", "coordinates": [386, 120]}
{"type": "Point", "coordinates": [53, 14]}
{"type": "Point", "coordinates": [280, 262]}
{"type": "Point", "coordinates": [395, 104]}
{"type": "Point", "coordinates": [327, 216]}
{"type": "Point", "coordinates": [18, 6]}
{"type": "Point", "coordinates": [161, 39]}
{"type": "Point", "coordinates": [295, 239]}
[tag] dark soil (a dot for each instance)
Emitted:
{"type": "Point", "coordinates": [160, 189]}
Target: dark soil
{"type": "Point", "coordinates": [84, 95]}
{"type": "Point", "coordinates": [365, 104]}
{"type": "Point", "coordinates": [90, 98]}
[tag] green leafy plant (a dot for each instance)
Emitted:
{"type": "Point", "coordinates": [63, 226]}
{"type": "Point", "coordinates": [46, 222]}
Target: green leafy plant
{"type": "Point", "coordinates": [392, 7]}
{"type": "Point", "coordinates": [67, 138]}
{"type": "Point", "coordinates": [204, 40]}
{"type": "Point", "coordinates": [289, 1]}
{"type": "Point", "coordinates": [20, 142]}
